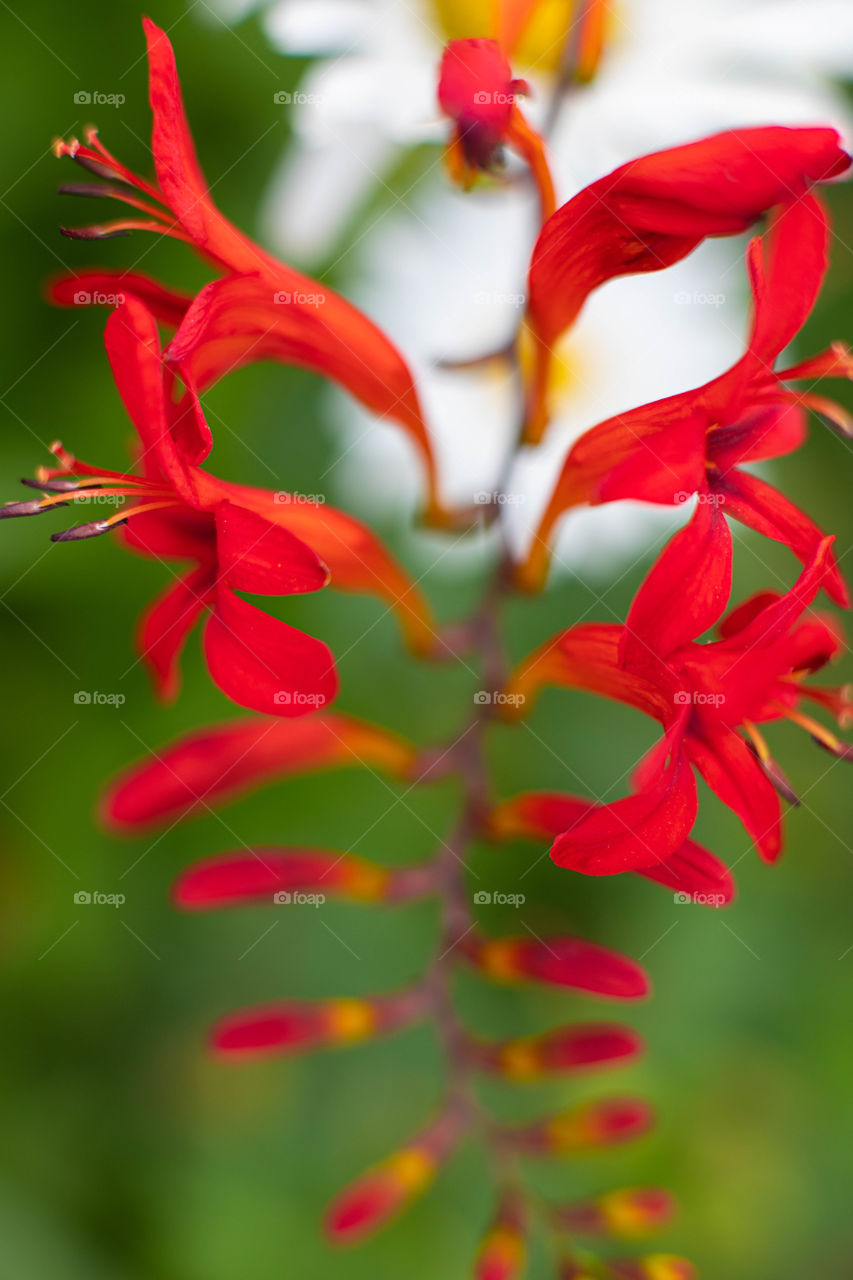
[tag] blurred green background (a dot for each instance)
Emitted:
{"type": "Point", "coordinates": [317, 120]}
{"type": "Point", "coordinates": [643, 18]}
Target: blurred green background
{"type": "Point", "coordinates": [127, 1151]}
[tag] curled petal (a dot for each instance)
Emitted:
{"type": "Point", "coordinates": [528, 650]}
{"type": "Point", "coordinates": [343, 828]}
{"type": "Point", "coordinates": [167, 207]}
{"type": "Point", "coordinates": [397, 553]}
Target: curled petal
{"type": "Point", "coordinates": [563, 962]}
{"type": "Point", "coordinates": [242, 318]}
{"type": "Point", "coordinates": [215, 765]}
{"type": "Point", "coordinates": [102, 286]}
{"type": "Point", "coordinates": [651, 212]}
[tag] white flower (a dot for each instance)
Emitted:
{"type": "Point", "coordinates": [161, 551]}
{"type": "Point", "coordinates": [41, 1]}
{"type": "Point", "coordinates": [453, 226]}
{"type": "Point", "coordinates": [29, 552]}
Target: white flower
{"type": "Point", "coordinates": [444, 273]}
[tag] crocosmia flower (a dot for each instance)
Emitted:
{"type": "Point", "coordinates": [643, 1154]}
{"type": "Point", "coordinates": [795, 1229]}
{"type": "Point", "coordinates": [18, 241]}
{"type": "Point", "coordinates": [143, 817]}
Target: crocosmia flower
{"type": "Point", "coordinates": [235, 538]}
{"type": "Point", "coordinates": [302, 321]}
{"type": "Point", "coordinates": [650, 213]}
{"type": "Point", "coordinates": [709, 697]}
{"type": "Point", "coordinates": [697, 441]}
{"type": "Point", "coordinates": [477, 91]}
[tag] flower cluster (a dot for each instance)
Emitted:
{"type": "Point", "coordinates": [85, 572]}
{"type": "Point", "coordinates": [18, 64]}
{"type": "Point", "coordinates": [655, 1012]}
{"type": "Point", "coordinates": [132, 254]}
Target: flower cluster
{"type": "Point", "coordinates": [709, 696]}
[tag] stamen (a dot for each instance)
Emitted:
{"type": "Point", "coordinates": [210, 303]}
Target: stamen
{"type": "Point", "coordinates": [819, 734]}
{"type": "Point", "coordinates": [771, 769]}
{"type": "Point", "coordinates": [33, 507]}
{"type": "Point", "coordinates": [96, 527]}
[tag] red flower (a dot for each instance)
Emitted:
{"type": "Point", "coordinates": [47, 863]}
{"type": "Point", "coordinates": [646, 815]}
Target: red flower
{"type": "Point", "coordinates": [477, 91]}
{"type": "Point", "coordinates": [236, 538]}
{"type": "Point", "coordinates": [651, 212]}
{"type": "Point", "coordinates": [302, 321]}
{"type": "Point", "coordinates": [702, 694]}
{"type": "Point", "coordinates": [694, 442]}
{"type": "Point", "coordinates": [542, 815]}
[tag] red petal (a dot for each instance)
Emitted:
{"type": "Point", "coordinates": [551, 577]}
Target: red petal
{"type": "Point", "coordinates": [641, 830]}
{"type": "Point", "coordinates": [356, 558]}
{"type": "Point", "coordinates": [695, 872]}
{"type": "Point", "coordinates": [101, 286]}
{"type": "Point", "coordinates": [133, 348]}
{"type": "Point", "coordinates": [245, 318]}
{"type": "Point", "coordinates": [258, 556]}
{"type": "Point", "coordinates": [166, 624]}
{"type": "Point", "coordinates": [732, 772]}
{"type": "Point", "coordinates": [652, 211]}
{"type": "Point", "coordinates": [683, 595]}
{"type": "Point", "coordinates": [587, 657]}
{"type": "Point", "coordinates": [780, 614]}
{"type": "Point", "coordinates": [787, 266]}
{"type": "Point", "coordinates": [770, 513]}
{"type": "Point", "coordinates": [264, 664]}
{"type": "Point", "coordinates": [218, 764]}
